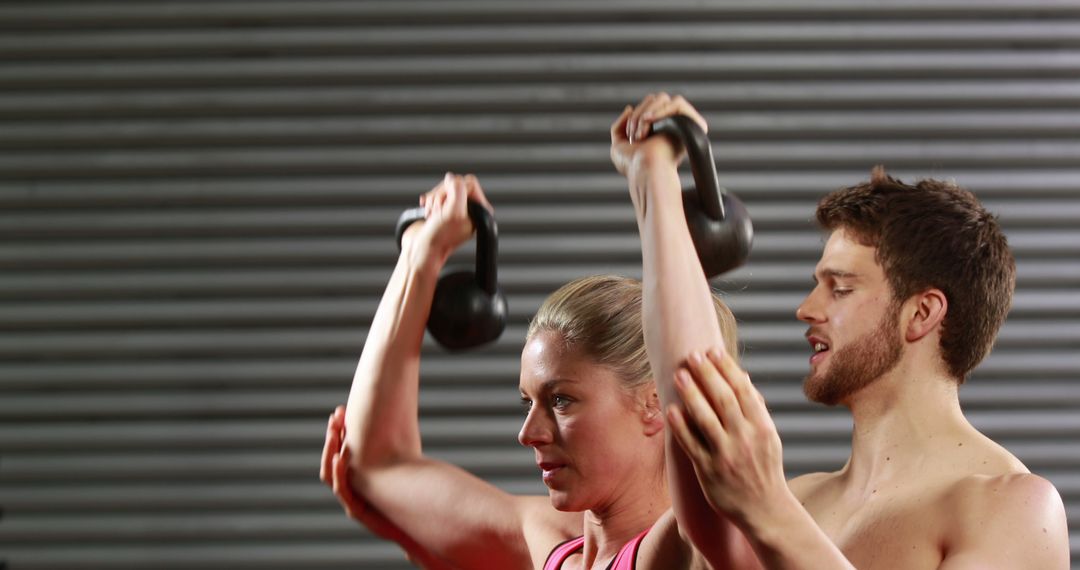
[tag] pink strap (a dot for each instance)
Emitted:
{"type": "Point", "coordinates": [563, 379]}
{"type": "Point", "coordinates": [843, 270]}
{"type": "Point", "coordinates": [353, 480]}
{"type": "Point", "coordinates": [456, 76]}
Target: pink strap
{"type": "Point", "coordinates": [627, 555]}
{"type": "Point", "coordinates": [562, 552]}
{"type": "Point", "coordinates": [624, 560]}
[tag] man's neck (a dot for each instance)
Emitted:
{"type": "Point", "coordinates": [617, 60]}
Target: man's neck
{"type": "Point", "coordinates": [897, 420]}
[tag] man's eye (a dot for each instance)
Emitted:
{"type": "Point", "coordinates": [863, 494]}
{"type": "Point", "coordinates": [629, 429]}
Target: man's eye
{"type": "Point", "coordinates": [842, 291]}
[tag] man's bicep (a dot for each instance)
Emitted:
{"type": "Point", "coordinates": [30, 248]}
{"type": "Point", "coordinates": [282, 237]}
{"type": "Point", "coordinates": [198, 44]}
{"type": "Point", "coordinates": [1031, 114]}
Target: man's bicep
{"type": "Point", "coordinates": [1020, 524]}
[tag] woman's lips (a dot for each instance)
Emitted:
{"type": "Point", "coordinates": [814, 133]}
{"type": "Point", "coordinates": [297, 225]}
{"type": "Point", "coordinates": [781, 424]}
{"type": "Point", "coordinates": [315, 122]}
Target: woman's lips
{"type": "Point", "coordinates": [549, 470]}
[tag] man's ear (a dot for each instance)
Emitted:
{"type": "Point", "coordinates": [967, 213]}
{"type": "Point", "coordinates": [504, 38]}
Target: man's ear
{"type": "Point", "coordinates": [652, 413]}
{"type": "Point", "coordinates": [926, 312]}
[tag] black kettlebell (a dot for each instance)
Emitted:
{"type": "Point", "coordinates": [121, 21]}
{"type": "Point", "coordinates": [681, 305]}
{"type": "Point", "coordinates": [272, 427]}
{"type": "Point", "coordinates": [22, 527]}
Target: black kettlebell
{"type": "Point", "coordinates": [719, 223]}
{"type": "Point", "coordinates": [468, 309]}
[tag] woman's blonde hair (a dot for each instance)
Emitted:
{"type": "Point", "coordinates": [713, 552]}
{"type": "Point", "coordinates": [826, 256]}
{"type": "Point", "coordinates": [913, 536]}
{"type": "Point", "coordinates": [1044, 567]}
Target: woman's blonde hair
{"type": "Point", "coordinates": [600, 316]}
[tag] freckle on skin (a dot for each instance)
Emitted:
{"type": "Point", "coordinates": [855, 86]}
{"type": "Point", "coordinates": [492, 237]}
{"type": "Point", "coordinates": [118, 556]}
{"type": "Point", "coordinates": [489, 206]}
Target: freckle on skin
{"type": "Point", "coordinates": [960, 445]}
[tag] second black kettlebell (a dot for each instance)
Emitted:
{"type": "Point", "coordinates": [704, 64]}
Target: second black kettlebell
{"type": "Point", "coordinates": [719, 224]}
{"type": "Point", "coordinates": [469, 308]}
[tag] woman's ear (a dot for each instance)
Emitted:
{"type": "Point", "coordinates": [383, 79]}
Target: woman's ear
{"type": "Point", "coordinates": [653, 413]}
{"type": "Point", "coordinates": [927, 311]}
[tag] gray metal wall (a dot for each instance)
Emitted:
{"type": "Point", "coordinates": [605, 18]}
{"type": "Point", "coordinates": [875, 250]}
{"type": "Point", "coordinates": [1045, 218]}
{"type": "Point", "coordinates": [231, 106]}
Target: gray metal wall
{"type": "Point", "coordinates": [196, 202]}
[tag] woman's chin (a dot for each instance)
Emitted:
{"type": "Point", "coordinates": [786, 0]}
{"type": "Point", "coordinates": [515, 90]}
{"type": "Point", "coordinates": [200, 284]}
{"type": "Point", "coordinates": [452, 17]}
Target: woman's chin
{"type": "Point", "coordinates": [563, 501]}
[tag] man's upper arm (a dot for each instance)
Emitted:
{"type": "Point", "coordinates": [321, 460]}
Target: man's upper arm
{"type": "Point", "coordinates": [1012, 521]}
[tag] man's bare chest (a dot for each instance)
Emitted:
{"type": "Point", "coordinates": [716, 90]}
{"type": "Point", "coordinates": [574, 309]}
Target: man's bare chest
{"type": "Point", "coordinates": [884, 530]}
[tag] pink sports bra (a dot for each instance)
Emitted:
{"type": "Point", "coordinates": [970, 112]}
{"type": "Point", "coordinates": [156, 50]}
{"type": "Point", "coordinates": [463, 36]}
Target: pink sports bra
{"type": "Point", "coordinates": [624, 560]}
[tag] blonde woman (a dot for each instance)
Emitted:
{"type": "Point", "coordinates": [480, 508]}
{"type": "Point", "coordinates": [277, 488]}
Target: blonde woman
{"type": "Point", "coordinates": [593, 419]}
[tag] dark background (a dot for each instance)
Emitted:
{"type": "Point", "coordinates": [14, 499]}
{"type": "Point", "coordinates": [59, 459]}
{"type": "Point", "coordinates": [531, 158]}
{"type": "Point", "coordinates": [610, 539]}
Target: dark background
{"type": "Point", "coordinates": [197, 201]}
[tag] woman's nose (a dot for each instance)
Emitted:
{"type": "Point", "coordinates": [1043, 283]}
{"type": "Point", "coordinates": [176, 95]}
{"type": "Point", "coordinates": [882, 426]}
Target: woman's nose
{"type": "Point", "coordinates": [536, 428]}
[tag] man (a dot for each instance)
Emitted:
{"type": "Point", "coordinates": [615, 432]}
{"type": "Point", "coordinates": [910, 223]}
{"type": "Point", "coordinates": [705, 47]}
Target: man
{"type": "Point", "coordinates": [911, 289]}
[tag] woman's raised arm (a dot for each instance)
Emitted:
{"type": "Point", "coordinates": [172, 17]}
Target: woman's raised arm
{"type": "Point", "coordinates": [677, 308]}
{"type": "Point", "coordinates": [449, 512]}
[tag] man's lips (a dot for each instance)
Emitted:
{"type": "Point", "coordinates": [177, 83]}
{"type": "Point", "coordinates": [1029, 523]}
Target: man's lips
{"type": "Point", "coordinates": [819, 346]}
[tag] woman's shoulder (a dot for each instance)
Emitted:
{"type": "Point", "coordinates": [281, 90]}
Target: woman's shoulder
{"type": "Point", "coordinates": [544, 527]}
{"type": "Point", "coordinates": [536, 511]}
{"type": "Point", "coordinates": [665, 547]}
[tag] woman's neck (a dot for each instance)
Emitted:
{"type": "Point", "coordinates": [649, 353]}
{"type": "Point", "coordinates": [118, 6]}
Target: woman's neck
{"type": "Point", "coordinates": [607, 530]}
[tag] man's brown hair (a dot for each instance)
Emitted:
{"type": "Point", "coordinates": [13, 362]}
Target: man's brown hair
{"type": "Point", "coordinates": [934, 234]}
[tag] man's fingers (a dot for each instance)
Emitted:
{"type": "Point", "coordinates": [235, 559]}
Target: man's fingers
{"type": "Point", "coordinates": [749, 403]}
{"type": "Point", "coordinates": [342, 488]}
{"type": "Point", "coordinates": [337, 468]}
{"type": "Point", "coordinates": [699, 411]}
{"type": "Point", "coordinates": [339, 422]}
{"type": "Point", "coordinates": [716, 389]}
{"type": "Point", "coordinates": [327, 451]}
{"type": "Point", "coordinates": [686, 437]}
{"type": "Point", "coordinates": [332, 443]}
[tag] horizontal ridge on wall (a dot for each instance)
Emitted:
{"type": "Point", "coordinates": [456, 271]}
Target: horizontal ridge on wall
{"type": "Point", "coordinates": [419, 12]}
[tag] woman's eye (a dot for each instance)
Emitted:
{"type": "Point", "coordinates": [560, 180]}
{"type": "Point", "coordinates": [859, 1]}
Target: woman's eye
{"type": "Point", "coordinates": [559, 402]}
{"type": "Point", "coordinates": [841, 291]}
{"type": "Point", "coordinates": [526, 405]}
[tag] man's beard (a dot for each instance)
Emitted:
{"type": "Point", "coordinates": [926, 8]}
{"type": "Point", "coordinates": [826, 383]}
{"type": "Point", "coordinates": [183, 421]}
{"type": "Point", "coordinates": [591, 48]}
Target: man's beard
{"type": "Point", "coordinates": [857, 366]}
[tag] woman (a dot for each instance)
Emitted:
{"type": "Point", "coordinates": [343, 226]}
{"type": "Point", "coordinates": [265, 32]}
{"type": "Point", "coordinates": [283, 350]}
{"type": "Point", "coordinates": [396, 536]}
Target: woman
{"type": "Point", "coordinates": [594, 421]}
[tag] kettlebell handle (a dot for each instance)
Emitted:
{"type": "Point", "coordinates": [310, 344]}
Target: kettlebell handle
{"type": "Point", "coordinates": [487, 243]}
{"type": "Point", "coordinates": [719, 224]}
{"type": "Point", "coordinates": [691, 136]}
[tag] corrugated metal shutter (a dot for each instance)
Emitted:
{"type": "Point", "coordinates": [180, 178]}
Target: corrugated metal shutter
{"type": "Point", "coordinates": [196, 201]}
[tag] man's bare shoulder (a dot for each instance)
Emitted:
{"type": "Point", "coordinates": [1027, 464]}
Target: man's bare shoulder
{"type": "Point", "coordinates": [976, 454]}
{"type": "Point", "coordinates": [986, 481]}
{"type": "Point", "coordinates": [809, 483]}
{"type": "Point", "coordinates": [1015, 520]}
{"type": "Point", "coordinates": [994, 495]}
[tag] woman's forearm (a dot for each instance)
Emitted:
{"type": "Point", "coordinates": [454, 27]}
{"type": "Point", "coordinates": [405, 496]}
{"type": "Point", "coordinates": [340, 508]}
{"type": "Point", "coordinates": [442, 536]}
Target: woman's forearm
{"type": "Point", "coordinates": [679, 317]}
{"type": "Point", "coordinates": [381, 423]}
{"type": "Point", "coordinates": [678, 311]}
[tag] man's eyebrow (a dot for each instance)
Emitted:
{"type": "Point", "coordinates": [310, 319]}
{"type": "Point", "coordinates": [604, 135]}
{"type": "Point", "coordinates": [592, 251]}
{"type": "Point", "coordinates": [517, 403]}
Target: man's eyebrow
{"type": "Point", "coordinates": [835, 274]}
